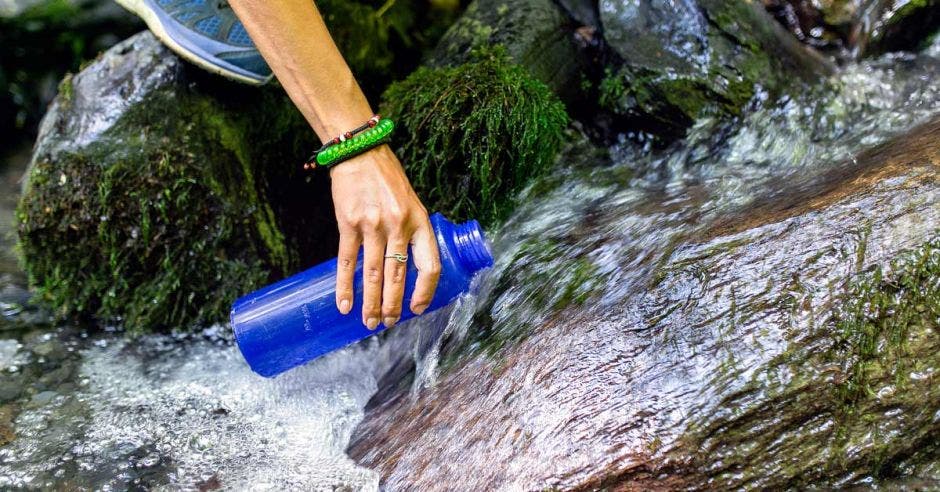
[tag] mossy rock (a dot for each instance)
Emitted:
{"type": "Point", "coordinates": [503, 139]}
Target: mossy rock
{"type": "Point", "coordinates": [703, 58]}
{"type": "Point", "coordinates": [537, 34]}
{"type": "Point", "coordinates": [472, 135]}
{"type": "Point", "coordinates": [158, 193]}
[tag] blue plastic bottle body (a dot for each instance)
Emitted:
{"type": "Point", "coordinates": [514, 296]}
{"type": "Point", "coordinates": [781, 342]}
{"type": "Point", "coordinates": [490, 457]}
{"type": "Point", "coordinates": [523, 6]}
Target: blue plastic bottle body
{"type": "Point", "coordinates": [293, 321]}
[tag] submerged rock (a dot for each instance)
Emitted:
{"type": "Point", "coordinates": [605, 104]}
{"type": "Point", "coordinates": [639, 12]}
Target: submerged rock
{"type": "Point", "coordinates": [157, 193]}
{"type": "Point", "coordinates": [793, 343]}
{"type": "Point", "coordinates": [683, 60]}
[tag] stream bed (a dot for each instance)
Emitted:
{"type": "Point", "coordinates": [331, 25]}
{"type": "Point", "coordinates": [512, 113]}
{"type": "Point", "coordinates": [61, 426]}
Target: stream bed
{"type": "Point", "coordinates": [83, 408]}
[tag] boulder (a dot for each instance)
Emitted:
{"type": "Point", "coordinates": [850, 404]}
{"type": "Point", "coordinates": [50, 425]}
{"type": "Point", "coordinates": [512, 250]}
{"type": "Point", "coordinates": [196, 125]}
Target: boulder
{"type": "Point", "coordinates": [537, 35]}
{"type": "Point", "coordinates": [789, 342]}
{"type": "Point", "coordinates": [157, 193]}
{"type": "Point", "coordinates": [687, 59]}
{"type": "Point", "coordinates": [902, 26]}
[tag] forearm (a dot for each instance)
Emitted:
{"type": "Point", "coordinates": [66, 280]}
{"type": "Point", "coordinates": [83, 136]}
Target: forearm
{"type": "Point", "coordinates": [312, 72]}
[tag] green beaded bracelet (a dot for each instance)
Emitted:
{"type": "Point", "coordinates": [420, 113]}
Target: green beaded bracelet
{"type": "Point", "coordinates": [359, 143]}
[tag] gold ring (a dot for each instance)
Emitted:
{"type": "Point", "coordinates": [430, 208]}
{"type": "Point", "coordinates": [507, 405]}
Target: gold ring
{"type": "Point", "coordinates": [398, 257]}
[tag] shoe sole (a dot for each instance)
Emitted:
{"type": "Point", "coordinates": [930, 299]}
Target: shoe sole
{"type": "Point", "coordinates": [190, 52]}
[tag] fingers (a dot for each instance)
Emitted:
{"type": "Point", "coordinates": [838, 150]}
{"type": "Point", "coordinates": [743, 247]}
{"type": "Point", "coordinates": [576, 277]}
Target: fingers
{"type": "Point", "coordinates": [345, 269]}
{"type": "Point", "coordinates": [372, 273]}
{"type": "Point", "coordinates": [394, 288]}
{"type": "Point", "coordinates": [428, 262]}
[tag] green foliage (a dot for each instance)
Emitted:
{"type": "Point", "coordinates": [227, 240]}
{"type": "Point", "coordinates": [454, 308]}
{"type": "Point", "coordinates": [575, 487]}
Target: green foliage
{"type": "Point", "coordinates": [471, 136]}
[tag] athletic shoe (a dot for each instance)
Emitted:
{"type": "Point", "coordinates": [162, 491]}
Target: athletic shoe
{"type": "Point", "coordinates": [205, 32]}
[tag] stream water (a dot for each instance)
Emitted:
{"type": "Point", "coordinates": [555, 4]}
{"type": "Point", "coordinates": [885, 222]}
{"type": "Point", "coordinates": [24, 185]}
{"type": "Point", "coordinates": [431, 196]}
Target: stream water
{"type": "Point", "coordinates": [81, 408]}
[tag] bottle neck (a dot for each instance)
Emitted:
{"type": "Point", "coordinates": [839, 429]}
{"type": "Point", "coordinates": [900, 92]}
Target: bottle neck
{"type": "Point", "coordinates": [472, 250]}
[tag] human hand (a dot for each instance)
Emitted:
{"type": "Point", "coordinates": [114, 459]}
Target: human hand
{"type": "Point", "coordinates": [377, 208]}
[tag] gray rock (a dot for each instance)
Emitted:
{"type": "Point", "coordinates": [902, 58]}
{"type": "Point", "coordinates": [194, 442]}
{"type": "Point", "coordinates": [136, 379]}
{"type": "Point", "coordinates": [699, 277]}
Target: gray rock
{"type": "Point", "coordinates": [92, 102]}
{"type": "Point", "coordinates": [687, 59]}
{"type": "Point", "coordinates": [658, 34]}
{"type": "Point", "coordinates": [157, 193]}
{"type": "Point", "coordinates": [11, 388]}
{"type": "Point", "coordinates": [43, 398]}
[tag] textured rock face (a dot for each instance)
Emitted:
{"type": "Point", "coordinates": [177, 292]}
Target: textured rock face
{"type": "Point", "coordinates": [158, 193]}
{"type": "Point", "coordinates": [682, 60]}
{"type": "Point", "coordinates": [536, 33]}
{"type": "Point", "coordinates": [793, 344]}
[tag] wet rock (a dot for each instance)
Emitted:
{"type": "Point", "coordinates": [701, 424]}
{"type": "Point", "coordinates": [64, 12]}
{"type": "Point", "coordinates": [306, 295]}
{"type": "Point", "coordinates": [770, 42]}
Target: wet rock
{"type": "Point", "coordinates": [854, 28]}
{"type": "Point", "coordinates": [793, 344]}
{"type": "Point", "coordinates": [7, 431]}
{"type": "Point", "coordinates": [903, 26]}
{"type": "Point", "coordinates": [11, 387]}
{"type": "Point", "coordinates": [157, 193]}
{"type": "Point", "coordinates": [584, 12]}
{"type": "Point", "coordinates": [43, 398]}
{"type": "Point", "coordinates": [683, 60]}
{"type": "Point", "coordinates": [537, 34]}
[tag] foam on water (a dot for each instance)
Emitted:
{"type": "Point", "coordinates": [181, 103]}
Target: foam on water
{"type": "Point", "coordinates": [161, 413]}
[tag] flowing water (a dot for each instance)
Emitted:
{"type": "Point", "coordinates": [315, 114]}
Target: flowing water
{"type": "Point", "coordinates": [85, 409]}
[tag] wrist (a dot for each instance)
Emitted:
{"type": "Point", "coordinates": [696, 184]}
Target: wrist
{"type": "Point", "coordinates": [371, 161]}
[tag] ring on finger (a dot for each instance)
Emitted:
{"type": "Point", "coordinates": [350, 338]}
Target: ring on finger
{"type": "Point", "coordinates": [399, 257]}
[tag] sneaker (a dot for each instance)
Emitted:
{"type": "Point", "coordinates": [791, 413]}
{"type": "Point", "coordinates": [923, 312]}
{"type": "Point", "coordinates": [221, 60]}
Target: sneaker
{"type": "Point", "coordinates": [205, 32]}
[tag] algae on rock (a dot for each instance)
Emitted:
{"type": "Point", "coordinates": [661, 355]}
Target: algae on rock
{"type": "Point", "coordinates": [472, 135]}
{"type": "Point", "coordinates": [151, 196]}
{"type": "Point", "coordinates": [706, 57]}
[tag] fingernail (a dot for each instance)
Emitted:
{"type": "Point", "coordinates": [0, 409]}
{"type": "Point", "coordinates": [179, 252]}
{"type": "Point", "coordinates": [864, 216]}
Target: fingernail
{"type": "Point", "coordinates": [419, 308]}
{"type": "Point", "coordinates": [390, 322]}
{"type": "Point", "coordinates": [344, 306]}
{"type": "Point", "coordinates": [371, 323]}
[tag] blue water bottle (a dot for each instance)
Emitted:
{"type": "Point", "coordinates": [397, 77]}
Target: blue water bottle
{"type": "Point", "coordinates": [288, 323]}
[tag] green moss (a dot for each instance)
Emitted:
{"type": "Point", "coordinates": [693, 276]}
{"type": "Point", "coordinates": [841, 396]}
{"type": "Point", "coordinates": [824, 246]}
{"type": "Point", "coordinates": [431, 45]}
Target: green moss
{"type": "Point", "coordinates": [876, 321]}
{"type": "Point", "coordinates": [853, 399]}
{"type": "Point", "coordinates": [168, 216]}
{"type": "Point", "coordinates": [471, 136]}
{"type": "Point", "coordinates": [66, 89]}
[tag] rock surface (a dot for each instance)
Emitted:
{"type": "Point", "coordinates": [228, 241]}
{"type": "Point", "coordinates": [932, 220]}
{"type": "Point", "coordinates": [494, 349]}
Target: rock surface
{"type": "Point", "coordinates": [537, 34]}
{"type": "Point", "coordinates": [157, 193]}
{"type": "Point", "coordinates": [854, 28]}
{"type": "Point", "coordinates": [791, 344]}
{"type": "Point", "coordinates": [686, 59]}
